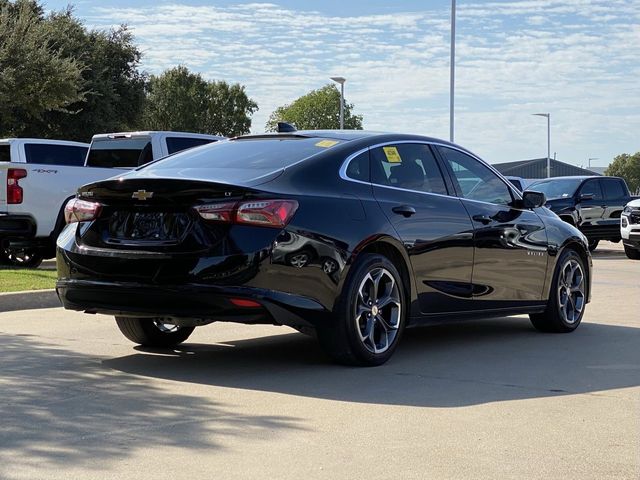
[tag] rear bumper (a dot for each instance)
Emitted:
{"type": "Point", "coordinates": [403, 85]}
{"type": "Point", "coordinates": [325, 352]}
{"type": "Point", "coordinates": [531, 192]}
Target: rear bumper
{"type": "Point", "coordinates": [191, 301]}
{"type": "Point", "coordinates": [17, 226]}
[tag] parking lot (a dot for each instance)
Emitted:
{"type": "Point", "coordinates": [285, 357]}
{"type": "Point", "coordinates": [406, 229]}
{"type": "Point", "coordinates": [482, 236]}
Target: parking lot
{"type": "Point", "coordinates": [491, 399]}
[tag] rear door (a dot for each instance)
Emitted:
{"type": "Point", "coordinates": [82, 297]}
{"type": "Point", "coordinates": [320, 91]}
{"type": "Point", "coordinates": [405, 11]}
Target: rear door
{"type": "Point", "coordinates": [510, 244]}
{"type": "Point", "coordinates": [434, 227]}
{"type": "Point", "coordinates": [616, 197]}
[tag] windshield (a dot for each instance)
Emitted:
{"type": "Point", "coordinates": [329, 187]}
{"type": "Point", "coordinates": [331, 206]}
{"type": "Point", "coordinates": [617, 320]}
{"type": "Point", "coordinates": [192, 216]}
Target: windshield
{"type": "Point", "coordinates": [558, 188]}
{"type": "Point", "coordinates": [120, 152]}
{"type": "Point", "coordinates": [267, 154]}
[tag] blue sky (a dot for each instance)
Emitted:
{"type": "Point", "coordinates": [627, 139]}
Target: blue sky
{"type": "Point", "coordinates": [578, 59]}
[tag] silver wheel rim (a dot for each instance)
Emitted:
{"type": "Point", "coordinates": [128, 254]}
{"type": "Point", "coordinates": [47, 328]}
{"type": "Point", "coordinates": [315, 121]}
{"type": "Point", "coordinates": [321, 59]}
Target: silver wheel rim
{"type": "Point", "coordinates": [299, 260]}
{"type": "Point", "coordinates": [571, 291]}
{"type": "Point", "coordinates": [378, 310]}
{"type": "Point", "coordinates": [165, 327]}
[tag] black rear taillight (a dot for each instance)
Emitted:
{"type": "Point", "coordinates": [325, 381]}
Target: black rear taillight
{"type": "Point", "coordinates": [15, 194]}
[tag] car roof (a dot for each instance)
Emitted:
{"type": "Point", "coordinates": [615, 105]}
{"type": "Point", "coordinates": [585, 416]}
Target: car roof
{"type": "Point", "coordinates": [348, 135]}
{"type": "Point", "coordinates": [571, 177]}
{"type": "Point", "coordinates": [46, 141]}
{"type": "Point", "coordinates": [146, 133]}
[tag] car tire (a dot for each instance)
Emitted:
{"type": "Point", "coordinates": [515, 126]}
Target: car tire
{"type": "Point", "coordinates": [632, 253]}
{"type": "Point", "coordinates": [150, 332]}
{"type": "Point", "coordinates": [25, 258]}
{"type": "Point", "coordinates": [369, 316]}
{"type": "Point", "coordinates": [567, 296]}
{"type": "Point", "coordinates": [593, 244]}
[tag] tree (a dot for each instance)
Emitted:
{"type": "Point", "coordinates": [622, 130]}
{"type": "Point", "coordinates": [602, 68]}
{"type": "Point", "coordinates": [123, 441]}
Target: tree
{"type": "Point", "coordinates": [58, 79]}
{"type": "Point", "coordinates": [181, 100]}
{"type": "Point", "coordinates": [628, 167]}
{"type": "Point", "coordinates": [35, 77]}
{"type": "Point", "coordinates": [317, 110]}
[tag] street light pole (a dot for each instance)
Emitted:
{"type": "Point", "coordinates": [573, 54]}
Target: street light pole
{"type": "Point", "coordinates": [452, 73]}
{"type": "Point", "coordinates": [341, 81]}
{"type": "Point", "coordinates": [548, 115]}
{"type": "Point", "coordinates": [589, 160]}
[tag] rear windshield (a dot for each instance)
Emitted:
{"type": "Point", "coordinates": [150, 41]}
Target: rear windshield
{"type": "Point", "coordinates": [177, 144]}
{"type": "Point", "coordinates": [260, 154]}
{"type": "Point", "coordinates": [5, 153]}
{"type": "Point", "coordinates": [557, 188]}
{"type": "Point", "coordinates": [120, 152]}
{"type": "Point", "coordinates": [48, 154]}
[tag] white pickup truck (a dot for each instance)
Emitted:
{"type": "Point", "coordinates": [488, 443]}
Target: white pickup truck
{"type": "Point", "coordinates": [38, 177]}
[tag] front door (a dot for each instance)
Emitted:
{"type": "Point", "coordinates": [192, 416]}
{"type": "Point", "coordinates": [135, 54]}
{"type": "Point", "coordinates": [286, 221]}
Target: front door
{"type": "Point", "coordinates": [510, 244]}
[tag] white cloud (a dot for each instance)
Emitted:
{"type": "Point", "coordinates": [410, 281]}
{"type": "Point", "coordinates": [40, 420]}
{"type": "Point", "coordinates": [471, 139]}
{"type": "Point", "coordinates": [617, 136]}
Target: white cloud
{"type": "Point", "coordinates": [578, 59]}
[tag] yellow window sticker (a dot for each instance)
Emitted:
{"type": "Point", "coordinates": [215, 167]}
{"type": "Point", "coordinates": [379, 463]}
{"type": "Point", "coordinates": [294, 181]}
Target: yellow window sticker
{"type": "Point", "coordinates": [392, 154]}
{"type": "Point", "coordinates": [326, 143]}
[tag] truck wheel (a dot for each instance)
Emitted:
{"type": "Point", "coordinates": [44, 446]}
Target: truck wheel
{"type": "Point", "coordinates": [632, 253]}
{"type": "Point", "coordinates": [21, 257]}
{"type": "Point", "coordinates": [567, 297]}
{"type": "Point", "coordinates": [593, 244]}
{"type": "Point", "coordinates": [151, 332]}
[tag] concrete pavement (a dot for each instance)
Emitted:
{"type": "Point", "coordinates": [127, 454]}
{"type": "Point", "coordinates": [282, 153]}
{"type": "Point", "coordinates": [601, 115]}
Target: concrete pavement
{"type": "Point", "coordinates": [491, 399]}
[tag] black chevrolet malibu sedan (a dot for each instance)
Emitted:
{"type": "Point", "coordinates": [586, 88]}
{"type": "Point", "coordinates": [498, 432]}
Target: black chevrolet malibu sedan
{"type": "Point", "coordinates": [349, 234]}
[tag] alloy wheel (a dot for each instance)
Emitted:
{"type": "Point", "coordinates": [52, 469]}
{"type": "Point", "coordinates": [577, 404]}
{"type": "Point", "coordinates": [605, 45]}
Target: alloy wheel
{"type": "Point", "coordinates": [571, 287]}
{"type": "Point", "coordinates": [378, 310]}
{"type": "Point", "coordinates": [165, 327]}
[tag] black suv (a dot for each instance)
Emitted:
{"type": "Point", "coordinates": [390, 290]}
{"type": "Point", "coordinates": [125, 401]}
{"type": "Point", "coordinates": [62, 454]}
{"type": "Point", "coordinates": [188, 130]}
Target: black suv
{"type": "Point", "coordinates": [593, 204]}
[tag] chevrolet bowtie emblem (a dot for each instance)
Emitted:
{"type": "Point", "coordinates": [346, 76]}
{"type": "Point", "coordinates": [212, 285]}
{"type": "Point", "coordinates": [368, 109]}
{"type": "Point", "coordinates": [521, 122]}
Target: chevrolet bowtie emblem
{"type": "Point", "coordinates": [142, 195]}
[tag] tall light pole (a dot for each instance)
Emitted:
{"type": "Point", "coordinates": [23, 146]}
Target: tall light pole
{"type": "Point", "coordinates": [548, 115]}
{"type": "Point", "coordinates": [341, 81]}
{"type": "Point", "coordinates": [589, 160]}
{"type": "Point", "coordinates": [452, 73]}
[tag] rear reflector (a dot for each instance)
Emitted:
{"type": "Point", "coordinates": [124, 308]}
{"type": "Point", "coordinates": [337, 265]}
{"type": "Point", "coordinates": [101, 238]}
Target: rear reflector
{"type": "Point", "coordinates": [267, 213]}
{"type": "Point", "coordinates": [15, 194]}
{"type": "Point", "coordinates": [77, 210]}
{"type": "Point", "coordinates": [244, 303]}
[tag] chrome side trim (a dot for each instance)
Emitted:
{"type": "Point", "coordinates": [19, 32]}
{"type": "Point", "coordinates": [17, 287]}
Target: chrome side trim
{"type": "Point", "coordinates": [343, 169]}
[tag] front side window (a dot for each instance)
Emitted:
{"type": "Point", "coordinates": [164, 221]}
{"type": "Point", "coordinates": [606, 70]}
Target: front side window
{"type": "Point", "coordinates": [407, 165]}
{"type": "Point", "coordinates": [592, 187]}
{"type": "Point", "coordinates": [50, 154]}
{"type": "Point", "coordinates": [475, 180]}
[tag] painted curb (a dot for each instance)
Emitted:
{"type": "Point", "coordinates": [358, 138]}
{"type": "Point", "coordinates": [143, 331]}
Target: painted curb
{"type": "Point", "coordinates": [10, 302]}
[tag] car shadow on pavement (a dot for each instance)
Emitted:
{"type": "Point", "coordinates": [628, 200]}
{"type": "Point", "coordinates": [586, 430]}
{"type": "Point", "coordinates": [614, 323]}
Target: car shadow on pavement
{"type": "Point", "coordinates": [60, 408]}
{"type": "Point", "coordinates": [439, 366]}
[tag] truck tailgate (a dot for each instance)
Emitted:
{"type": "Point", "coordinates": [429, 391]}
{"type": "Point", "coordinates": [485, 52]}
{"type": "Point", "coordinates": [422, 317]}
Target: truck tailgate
{"type": "Point", "coordinates": [47, 188]}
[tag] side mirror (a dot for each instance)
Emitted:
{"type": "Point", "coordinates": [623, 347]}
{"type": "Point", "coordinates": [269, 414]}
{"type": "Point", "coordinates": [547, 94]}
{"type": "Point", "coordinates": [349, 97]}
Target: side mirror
{"type": "Point", "coordinates": [585, 196]}
{"type": "Point", "coordinates": [531, 199]}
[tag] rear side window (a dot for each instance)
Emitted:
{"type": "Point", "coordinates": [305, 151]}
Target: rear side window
{"type": "Point", "coordinates": [475, 180]}
{"type": "Point", "coordinates": [358, 168]}
{"type": "Point", "coordinates": [48, 154]}
{"type": "Point", "coordinates": [407, 165]}
{"type": "Point", "coordinates": [267, 154]}
{"type": "Point", "coordinates": [5, 153]}
{"type": "Point", "coordinates": [177, 144]}
{"type": "Point", "coordinates": [613, 188]}
{"type": "Point", "coordinates": [120, 152]}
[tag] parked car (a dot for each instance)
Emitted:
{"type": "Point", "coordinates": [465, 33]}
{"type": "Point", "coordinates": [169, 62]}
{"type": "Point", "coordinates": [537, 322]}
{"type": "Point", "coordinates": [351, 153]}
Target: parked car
{"type": "Point", "coordinates": [593, 204]}
{"type": "Point", "coordinates": [518, 182]}
{"type": "Point", "coordinates": [40, 176]}
{"type": "Point", "coordinates": [211, 235]}
{"type": "Point", "coordinates": [630, 229]}
{"type": "Point", "coordinates": [18, 157]}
